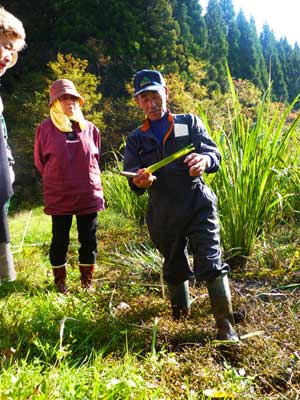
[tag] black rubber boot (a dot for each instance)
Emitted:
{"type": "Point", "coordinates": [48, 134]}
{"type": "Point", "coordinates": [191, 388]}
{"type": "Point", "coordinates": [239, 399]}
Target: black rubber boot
{"type": "Point", "coordinates": [220, 298]}
{"type": "Point", "coordinates": [180, 300]}
{"type": "Point", "coordinates": [87, 273]}
{"type": "Point", "coordinates": [60, 274]}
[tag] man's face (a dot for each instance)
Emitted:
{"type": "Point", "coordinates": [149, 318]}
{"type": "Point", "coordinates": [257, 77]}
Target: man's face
{"type": "Point", "coordinates": [7, 53]}
{"type": "Point", "coordinates": [153, 103]}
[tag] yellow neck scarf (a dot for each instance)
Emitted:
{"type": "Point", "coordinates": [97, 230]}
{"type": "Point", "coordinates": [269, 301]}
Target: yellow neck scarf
{"type": "Point", "coordinates": [62, 121]}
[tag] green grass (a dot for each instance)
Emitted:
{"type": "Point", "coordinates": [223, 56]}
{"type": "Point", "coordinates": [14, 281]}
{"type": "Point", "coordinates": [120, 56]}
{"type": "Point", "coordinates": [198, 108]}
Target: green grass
{"type": "Point", "coordinates": [98, 378]}
{"type": "Point", "coordinates": [118, 194]}
{"type": "Point", "coordinates": [91, 346]}
{"type": "Point", "coordinates": [257, 183]}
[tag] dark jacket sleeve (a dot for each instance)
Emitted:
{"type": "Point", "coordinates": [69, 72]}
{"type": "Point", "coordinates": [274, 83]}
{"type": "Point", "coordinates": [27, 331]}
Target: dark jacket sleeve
{"type": "Point", "coordinates": [204, 143]}
{"type": "Point", "coordinates": [132, 160]}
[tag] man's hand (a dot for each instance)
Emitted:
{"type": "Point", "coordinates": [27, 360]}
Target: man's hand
{"type": "Point", "coordinates": [197, 163]}
{"type": "Point", "coordinates": [143, 180]}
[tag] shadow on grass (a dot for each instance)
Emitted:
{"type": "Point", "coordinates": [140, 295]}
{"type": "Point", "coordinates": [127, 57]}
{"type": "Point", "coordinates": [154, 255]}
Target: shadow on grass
{"type": "Point", "coordinates": [17, 286]}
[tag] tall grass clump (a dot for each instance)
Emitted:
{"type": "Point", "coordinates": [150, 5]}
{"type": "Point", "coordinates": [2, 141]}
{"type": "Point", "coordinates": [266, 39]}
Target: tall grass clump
{"type": "Point", "coordinates": [295, 176]}
{"type": "Point", "coordinates": [255, 178]}
{"type": "Point", "coordinates": [118, 194]}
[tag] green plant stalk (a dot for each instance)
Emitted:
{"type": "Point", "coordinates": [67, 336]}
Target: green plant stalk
{"type": "Point", "coordinates": [167, 160]}
{"type": "Point", "coordinates": [154, 336]}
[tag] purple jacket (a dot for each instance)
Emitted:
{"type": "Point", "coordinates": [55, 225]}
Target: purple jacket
{"type": "Point", "coordinates": [70, 169]}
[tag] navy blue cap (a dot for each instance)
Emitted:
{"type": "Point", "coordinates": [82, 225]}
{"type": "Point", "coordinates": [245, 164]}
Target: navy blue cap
{"type": "Point", "coordinates": [148, 79]}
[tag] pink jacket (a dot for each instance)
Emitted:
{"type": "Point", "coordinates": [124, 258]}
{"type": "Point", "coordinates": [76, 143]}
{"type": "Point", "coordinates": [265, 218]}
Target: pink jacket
{"type": "Point", "coordinates": [70, 169]}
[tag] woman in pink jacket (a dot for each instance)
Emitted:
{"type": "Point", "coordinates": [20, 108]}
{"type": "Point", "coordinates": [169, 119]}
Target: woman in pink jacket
{"type": "Point", "coordinates": [67, 153]}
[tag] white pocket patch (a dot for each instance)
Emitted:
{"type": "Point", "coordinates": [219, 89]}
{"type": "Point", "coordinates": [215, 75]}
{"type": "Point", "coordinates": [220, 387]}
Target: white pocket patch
{"type": "Point", "coordinates": [181, 130]}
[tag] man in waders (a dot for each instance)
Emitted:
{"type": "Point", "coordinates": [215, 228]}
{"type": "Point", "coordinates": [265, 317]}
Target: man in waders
{"type": "Point", "coordinates": [181, 208]}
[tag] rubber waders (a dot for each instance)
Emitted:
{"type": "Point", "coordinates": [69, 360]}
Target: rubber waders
{"type": "Point", "coordinates": [220, 298]}
{"type": "Point", "coordinates": [180, 299]}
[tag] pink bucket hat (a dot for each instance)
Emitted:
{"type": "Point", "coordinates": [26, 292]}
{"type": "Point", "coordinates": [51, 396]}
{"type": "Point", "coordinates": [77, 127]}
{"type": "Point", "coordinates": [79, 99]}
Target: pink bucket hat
{"type": "Point", "coordinates": [62, 87]}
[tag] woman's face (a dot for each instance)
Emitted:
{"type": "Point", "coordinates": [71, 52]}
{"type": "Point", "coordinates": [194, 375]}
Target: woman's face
{"type": "Point", "coordinates": [69, 104]}
{"type": "Point", "coordinates": [7, 53]}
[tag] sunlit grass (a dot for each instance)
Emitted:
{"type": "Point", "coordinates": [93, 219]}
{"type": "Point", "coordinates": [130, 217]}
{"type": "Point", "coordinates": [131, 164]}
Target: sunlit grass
{"type": "Point", "coordinates": [79, 347]}
{"type": "Point", "coordinates": [99, 378]}
{"type": "Point", "coordinates": [119, 196]}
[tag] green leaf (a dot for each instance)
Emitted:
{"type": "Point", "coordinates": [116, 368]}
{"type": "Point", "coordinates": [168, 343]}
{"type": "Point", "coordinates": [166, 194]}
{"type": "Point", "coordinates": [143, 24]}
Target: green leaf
{"type": "Point", "coordinates": [167, 160]}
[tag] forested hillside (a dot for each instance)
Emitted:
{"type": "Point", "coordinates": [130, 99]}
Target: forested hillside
{"type": "Point", "coordinates": [117, 37]}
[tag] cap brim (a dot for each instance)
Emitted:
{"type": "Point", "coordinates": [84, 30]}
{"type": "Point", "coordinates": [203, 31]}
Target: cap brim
{"type": "Point", "coordinates": [152, 88]}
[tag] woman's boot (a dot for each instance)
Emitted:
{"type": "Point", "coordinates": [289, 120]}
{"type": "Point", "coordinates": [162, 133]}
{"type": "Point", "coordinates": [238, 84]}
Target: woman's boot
{"type": "Point", "coordinates": [87, 273]}
{"type": "Point", "coordinates": [60, 274]}
{"type": "Point", "coordinates": [180, 299]}
{"type": "Point", "coordinates": [220, 298]}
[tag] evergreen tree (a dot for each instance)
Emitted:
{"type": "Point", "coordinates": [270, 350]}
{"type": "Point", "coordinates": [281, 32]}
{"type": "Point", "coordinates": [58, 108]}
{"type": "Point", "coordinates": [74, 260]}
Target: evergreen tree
{"type": "Point", "coordinates": [279, 86]}
{"type": "Point", "coordinates": [248, 53]}
{"type": "Point", "coordinates": [193, 32]}
{"type": "Point", "coordinates": [261, 79]}
{"type": "Point", "coordinates": [217, 48]}
{"type": "Point", "coordinates": [233, 35]}
{"type": "Point", "coordinates": [292, 69]}
{"type": "Point", "coordinates": [159, 43]}
{"type": "Point", "coordinates": [284, 51]}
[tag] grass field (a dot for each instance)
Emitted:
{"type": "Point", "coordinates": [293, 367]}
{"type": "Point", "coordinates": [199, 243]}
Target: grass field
{"type": "Point", "coordinates": [120, 341]}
